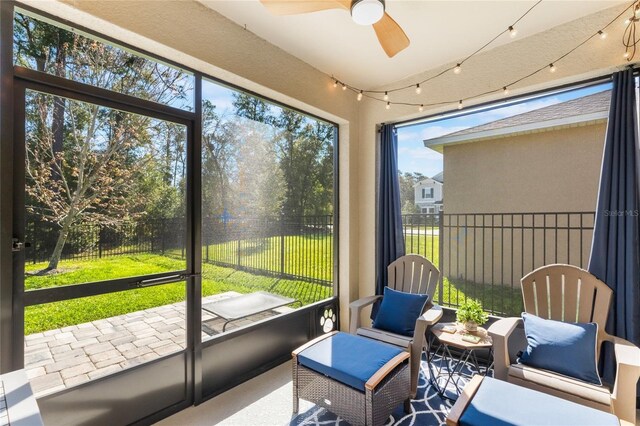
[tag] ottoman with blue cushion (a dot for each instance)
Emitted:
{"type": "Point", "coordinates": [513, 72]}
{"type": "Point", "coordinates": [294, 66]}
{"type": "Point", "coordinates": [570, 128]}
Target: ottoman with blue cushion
{"type": "Point", "coordinates": [359, 379]}
{"type": "Point", "coordinates": [488, 401]}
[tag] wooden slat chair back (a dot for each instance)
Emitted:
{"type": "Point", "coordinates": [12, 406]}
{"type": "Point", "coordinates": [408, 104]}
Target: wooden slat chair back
{"type": "Point", "coordinates": [413, 273]}
{"type": "Point", "coordinates": [567, 293]}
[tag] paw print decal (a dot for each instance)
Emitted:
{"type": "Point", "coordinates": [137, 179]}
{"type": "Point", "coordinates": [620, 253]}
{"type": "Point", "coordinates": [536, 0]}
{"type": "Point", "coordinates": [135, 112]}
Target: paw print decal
{"type": "Point", "coordinates": [328, 320]}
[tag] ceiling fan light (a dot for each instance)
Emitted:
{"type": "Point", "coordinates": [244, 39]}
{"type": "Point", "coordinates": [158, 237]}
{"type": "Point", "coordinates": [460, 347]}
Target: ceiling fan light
{"type": "Point", "coordinates": [367, 12]}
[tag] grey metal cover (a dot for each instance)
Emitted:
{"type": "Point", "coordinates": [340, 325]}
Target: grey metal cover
{"type": "Point", "coordinates": [248, 304]}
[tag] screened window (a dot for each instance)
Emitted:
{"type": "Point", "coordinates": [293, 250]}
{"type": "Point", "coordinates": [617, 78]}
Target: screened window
{"type": "Point", "coordinates": [267, 201]}
{"type": "Point", "coordinates": [65, 52]}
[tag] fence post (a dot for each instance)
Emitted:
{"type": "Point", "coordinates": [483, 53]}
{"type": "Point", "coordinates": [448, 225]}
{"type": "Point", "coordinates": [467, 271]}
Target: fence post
{"type": "Point", "coordinates": [238, 227]}
{"type": "Point", "coordinates": [282, 239]}
{"type": "Point", "coordinates": [99, 241]}
{"type": "Point", "coordinates": [162, 236]}
{"type": "Point", "coordinates": [441, 256]}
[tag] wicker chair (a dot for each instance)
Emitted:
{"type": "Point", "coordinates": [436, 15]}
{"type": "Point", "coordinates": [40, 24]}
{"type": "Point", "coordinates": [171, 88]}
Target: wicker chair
{"type": "Point", "coordinates": [568, 293]}
{"type": "Point", "coordinates": [412, 274]}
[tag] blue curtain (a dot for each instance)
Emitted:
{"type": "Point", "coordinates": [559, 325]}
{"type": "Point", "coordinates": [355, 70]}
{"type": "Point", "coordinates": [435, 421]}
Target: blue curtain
{"type": "Point", "coordinates": [390, 241]}
{"type": "Point", "coordinates": [615, 253]}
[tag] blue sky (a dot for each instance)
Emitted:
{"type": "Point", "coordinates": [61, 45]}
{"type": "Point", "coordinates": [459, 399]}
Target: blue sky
{"type": "Point", "coordinates": [413, 156]}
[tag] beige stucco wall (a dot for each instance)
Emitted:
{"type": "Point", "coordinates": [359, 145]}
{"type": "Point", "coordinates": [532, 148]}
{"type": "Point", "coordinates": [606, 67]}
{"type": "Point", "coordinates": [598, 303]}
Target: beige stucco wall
{"type": "Point", "coordinates": [552, 171]}
{"type": "Point", "coordinates": [545, 172]}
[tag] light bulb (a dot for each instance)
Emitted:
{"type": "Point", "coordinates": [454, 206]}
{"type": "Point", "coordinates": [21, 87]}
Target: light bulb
{"type": "Point", "coordinates": [457, 69]}
{"type": "Point", "coordinates": [388, 105]}
{"type": "Point", "coordinates": [627, 21]}
{"type": "Point", "coordinates": [552, 68]}
{"type": "Point", "coordinates": [602, 34]}
{"type": "Point", "coordinates": [512, 32]}
{"type": "Point", "coordinates": [360, 96]}
{"type": "Point", "coordinates": [626, 55]}
{"type": "Point", "coordinates": [386, 96]}
{"type": "Point", "coordinates": [344, 86]}
{"type": "Point", "coordinates": [460, 104]}
{"type": "Point", "coordinates": [505, 90]}
{"type": "Point", "coordinates": [421, 108]}
{"type": "Point", "coordinates": [335, 83]}
{"type": "Point", "coordinates": [418, 89]}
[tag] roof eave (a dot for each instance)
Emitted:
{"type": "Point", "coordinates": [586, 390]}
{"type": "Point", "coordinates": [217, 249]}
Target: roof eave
{"type": "Point", "coordinates": [437, 144]}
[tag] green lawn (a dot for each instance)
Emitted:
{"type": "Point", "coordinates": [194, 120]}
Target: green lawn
{"type": "Point", "coordinates": [215, 280]}
{"type": "Point", "coordinates": [303, 256]}
{"type": "Point", "coordinates": [500, 299]}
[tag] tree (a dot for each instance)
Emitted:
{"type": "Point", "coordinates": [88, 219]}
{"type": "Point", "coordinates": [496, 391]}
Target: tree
{"type": "Point", "coordinates": [84, 162]}
{"type": "Point", "coordinates": [408, 181]}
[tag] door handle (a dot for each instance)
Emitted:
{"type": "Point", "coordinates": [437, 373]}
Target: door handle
{"type": "Point", "coordinates": [17, 245]}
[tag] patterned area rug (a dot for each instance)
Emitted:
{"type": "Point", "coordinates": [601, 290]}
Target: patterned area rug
{"type": "Point", "coordinates": [427, 409]}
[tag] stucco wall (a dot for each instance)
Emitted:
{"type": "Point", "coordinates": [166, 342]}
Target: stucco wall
{"type": "Point", "coordinates": [553, 171]}
{"type": "Point", "coordinates": [546, 172]}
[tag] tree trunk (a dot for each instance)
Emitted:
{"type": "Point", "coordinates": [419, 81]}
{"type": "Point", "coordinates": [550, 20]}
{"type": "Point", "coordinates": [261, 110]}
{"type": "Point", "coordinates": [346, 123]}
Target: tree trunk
{"type": "Point", "coordinates": [62, 239]}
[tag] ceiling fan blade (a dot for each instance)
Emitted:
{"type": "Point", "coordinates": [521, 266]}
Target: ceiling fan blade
{"type": "Point", "coordinates": [294, 7]}
{"type": "Point", "coordinates": [392, 38]}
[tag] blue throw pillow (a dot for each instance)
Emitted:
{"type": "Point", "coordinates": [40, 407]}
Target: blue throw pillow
{"type": "Point", "coordinates": [561, 347]}
{"type": "Point", "coordinates": [399, 311]}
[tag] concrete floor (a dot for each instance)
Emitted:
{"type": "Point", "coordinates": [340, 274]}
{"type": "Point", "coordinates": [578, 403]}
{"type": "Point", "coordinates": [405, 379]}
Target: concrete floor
{"type": "Point", "coordinates": [265, 400]}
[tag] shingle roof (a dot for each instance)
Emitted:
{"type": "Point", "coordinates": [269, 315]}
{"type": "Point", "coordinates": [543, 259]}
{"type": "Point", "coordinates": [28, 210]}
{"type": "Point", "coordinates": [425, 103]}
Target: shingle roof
{"type": "Point", "coordinates": [439, 177]}
{"type": "Point", "coordinates": [597, 102]}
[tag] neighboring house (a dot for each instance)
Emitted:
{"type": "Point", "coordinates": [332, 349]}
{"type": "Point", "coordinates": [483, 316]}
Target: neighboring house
{"type": "Point", "coordinates": [546, 160]}
{"type": "Point", "coordinates": [543, 160]}
{"type": "Point", "coordinates": [428, 194]}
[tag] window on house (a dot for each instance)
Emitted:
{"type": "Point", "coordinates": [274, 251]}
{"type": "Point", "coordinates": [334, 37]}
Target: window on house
{"type": "Point", "coordinates": [427, 192]}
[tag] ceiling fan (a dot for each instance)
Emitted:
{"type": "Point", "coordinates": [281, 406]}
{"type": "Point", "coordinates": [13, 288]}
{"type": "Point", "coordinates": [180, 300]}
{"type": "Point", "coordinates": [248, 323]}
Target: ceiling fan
{"type": "Point", "coordinates": [364, 12]}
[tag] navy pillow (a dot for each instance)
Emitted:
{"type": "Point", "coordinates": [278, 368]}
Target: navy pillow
{"type": "Point", "coordinates": [399, 311]}
{"type": "Point", "coordinates": [561, 347]}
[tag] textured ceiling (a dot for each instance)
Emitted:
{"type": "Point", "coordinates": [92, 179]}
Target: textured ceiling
{"type": "Point", "coordinates": [441, 32]}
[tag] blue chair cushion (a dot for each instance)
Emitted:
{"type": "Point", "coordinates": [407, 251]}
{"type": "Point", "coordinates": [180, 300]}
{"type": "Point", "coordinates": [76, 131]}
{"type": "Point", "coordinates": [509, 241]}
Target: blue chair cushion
{"type": "Point", "coordinates": [499, 403]}
{"type": "Point", "coordinates": [348, 359]}
{"type": "Point", "coordinates": [399, 311]}
{"type": "Point", "coordinates": [561, 347]}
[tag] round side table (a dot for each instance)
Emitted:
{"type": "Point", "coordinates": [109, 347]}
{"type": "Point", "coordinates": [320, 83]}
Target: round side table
{"type": "Point", "coordinates": [453, 373]}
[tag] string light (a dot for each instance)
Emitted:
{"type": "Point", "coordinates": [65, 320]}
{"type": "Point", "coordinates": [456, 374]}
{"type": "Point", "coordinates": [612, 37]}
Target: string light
{"type": "Point", "coordinates": [627, 21]}
{"type": "Point", "coordinates": [629, 42]}
{"type": "Point", "coordinates": [512, 32]}
{"type": "Point", "coordinates": [629, 38]}
{"type": "Point", "coordinates": [359, 96]}
{"type": "Point", "coordinates": [418, 89]}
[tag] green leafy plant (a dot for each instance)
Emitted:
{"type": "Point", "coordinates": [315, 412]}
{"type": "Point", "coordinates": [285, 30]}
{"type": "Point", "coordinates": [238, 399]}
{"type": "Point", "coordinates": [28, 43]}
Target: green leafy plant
{"type": "Point", "coordinates": [471, 311]}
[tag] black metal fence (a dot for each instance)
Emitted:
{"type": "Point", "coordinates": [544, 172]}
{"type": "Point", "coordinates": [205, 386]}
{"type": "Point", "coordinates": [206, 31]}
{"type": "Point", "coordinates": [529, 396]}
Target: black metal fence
{"type": "Point", "coordinates": [484, 256]}
{"type": "Point", "coordinates": [288, 247]}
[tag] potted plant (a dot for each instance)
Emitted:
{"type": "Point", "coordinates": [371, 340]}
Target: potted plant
{"type": "Point", "coordinates": [471, 315]}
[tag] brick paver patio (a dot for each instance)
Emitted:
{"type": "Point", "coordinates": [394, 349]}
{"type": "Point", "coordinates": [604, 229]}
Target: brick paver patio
{"type": "Point", "coordinates": [61, 358]}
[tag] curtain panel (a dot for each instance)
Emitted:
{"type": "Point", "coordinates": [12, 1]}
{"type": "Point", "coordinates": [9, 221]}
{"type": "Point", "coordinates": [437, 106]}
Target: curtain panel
{"type": "Point", "coordinates": [615, 252]}
{"type": "Point", "coordinates": [390, 240]}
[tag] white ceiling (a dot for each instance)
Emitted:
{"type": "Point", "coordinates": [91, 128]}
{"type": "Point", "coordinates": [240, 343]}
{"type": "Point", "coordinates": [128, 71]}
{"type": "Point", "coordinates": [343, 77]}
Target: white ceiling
{"type": "Point", "coordinates": [441, 32]}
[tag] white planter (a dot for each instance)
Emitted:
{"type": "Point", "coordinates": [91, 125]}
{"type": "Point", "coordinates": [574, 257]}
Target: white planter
{"type": "Point", "coordinates": [471, 326]}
